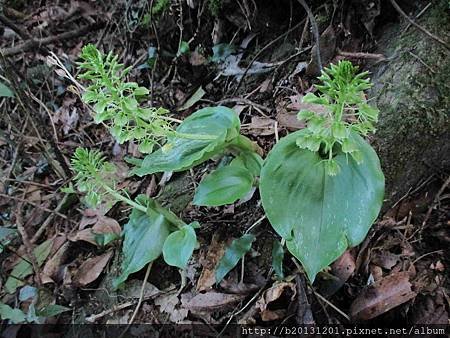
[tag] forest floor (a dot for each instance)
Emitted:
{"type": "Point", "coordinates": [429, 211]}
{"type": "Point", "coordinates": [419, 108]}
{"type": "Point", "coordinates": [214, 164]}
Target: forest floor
{"type": "Point", "coordinates": [397, 276]}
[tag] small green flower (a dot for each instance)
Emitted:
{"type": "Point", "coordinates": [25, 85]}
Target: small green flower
{"type": "Point", "coordinates": [92, 175]}
{"type": "Point", "coordinates": [342, 93]}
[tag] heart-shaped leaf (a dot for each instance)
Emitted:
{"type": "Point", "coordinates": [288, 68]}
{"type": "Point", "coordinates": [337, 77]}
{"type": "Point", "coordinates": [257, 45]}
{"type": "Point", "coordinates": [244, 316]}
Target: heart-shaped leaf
{"type": "Point", "coordinates": [179, 154]}
{"type": "Point", "coordinates": [319, 215]}
{"type": "Point", "coordinates": [238, 248]}
{"type": "Point", "coordinates": [223, 186]}
{"type": "Point", "coordinates": [144, 236]}
{"type": "Point", "coordinates": [179, 246]}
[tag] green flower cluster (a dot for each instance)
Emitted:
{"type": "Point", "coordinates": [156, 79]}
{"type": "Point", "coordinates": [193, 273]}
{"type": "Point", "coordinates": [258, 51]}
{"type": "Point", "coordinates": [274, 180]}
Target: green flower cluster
{"type": "Point", "coordinates": [117, 102]}
{"type": "Point", "coordinates": [347, 111]}
{"type": "Point", "coordinates": [94, 176]}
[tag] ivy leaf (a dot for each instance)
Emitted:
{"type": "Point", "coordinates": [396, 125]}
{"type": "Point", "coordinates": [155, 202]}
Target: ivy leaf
{"type": "Point", "coordinates": [238, 248]}
{"type": "Point", "coordinates": [14, 315]}
{"type": "Point", "coordinates": [24, 269]}
{"type": "Point", "coordinates": [223, 186]}
{"type": "Point", "coordinates": [318, 215]}
{"type": "Point", "coordinates": [277, 258]}
{"type": "Point", "coordinates": [5, 91]}
{"type": "Point", "coordinates": [250, 161]}
{"type": "Point", "coordinates": [144, 236]}
{"type": "Point", "coordinates": [179, 246]}
{"type": "Point", "coordinates": [179, 154]}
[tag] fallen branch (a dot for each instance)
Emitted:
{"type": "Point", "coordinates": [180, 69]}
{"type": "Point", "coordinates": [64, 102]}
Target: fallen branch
{"type": "Point", "coordinates": [39, 43]}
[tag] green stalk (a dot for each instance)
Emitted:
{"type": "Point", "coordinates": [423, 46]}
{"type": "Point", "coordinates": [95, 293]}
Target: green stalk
{"type": "Point", "coordinates": [169, 215]}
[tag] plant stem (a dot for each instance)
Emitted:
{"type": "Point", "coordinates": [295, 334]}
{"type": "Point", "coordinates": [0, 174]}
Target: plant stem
{"type": "Point", "coordinates": [124, 199]}
{"type": "Point", "coordinates": [169, 215]}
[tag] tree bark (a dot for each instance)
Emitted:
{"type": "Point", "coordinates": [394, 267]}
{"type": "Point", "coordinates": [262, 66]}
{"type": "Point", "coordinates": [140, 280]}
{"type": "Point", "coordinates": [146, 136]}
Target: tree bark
{"type": "Point", "coordinates": [412, 91]}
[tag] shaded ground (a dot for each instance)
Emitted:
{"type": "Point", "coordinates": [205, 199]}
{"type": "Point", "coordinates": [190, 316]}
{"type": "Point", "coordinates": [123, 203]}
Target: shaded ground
{"type": "Point", "coordinates": [404, 258]}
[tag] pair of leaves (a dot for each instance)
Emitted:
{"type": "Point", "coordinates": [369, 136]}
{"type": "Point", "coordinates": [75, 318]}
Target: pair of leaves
{"type": "Point", "coordinates": [147, 235]}
{"type": "Point", "coordinates": [144, 236]}
{"type": "Point", "coordinates": [319, 215]}
{"type": "Point", "coordinates": [179, 153]}
{"type": "Point", "coordinates": [228, 184]}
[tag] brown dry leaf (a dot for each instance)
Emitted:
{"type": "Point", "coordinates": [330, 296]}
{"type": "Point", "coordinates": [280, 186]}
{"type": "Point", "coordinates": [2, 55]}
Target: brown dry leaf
{"type": "Point", "coordinates": [50, 273]}
{"type": "Point", "coordinates": [67, 114]}
{"type": "Point", "coordinates": [261, 126]}
{"type": "Point", "coordinates": [168, 303]}
{"type": "Point", "coordinates": [212, 301]}
{"type": "Point", "coordinates": [103, 225]}
{"type": "Point", "coordinates": [272, 294]}
{"type": "Point", "coordinates": [382, 296]}
{"type": "Point", "coordinates": [386, 260]}
{"type": "Point", "coordinates": [344, 266]}
{"type": "Point", "coordinates": [297, 105]}
{"type": "Point", "coordinates": [91, 269]}
{"type": "Point", "coordinates": [289, 120]}
{"type": "Point", "coordinates": [376, 271]}
{"type": "Point", "coordinates": [341, 270]}
{"type": "Point", "coordinates": [33, 194]}
{"type": "Point", "coordinates": [197, 59]}
{"type": "Point", "coordinates": [429, 310]}
{"type": "Point", "coordinates": [215, 252]}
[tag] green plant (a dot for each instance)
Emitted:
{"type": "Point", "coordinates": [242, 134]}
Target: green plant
{"type": "Point", "coordinates": [151, 228]}
{"type": "Point", "coordinates": [118, 103]}
{"type": "Point", "coordinates": [347, 111]}
{"type": "Point", "coordinates": [322, 187]}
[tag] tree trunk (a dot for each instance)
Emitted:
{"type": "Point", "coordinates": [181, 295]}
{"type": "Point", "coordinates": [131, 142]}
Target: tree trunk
{"type": "Point", "coordinates": [412, 89]}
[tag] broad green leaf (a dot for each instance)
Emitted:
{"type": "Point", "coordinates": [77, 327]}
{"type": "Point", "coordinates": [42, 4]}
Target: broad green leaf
{"type": "Point", "coordinates": [238, 248]}
{"type": "Point", "coordinates": [199, 93]}
{"type": "Point", "coordinates": [179, 154]}
{"type": "Point", "coordinates": [249, 160]}
{"type": "Point", "coordinates": [5, 91]}
{"type": "Point", "coordinates": [319, 215]}
{"type": "Point", "coordinates": [277, 258]}
{"type": "Point", "coordinates": [223, 186]}
{"type": "Point", "coordinates": [14, 315]}
{"type": "Point", "coordinates": [23, 269]}
{"type": "Point", "coordinates": [144, 236]}
{"type": "Point", "coordinates": [179, 246]}
{"type": "Point", "coordinates": [52, 310]}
